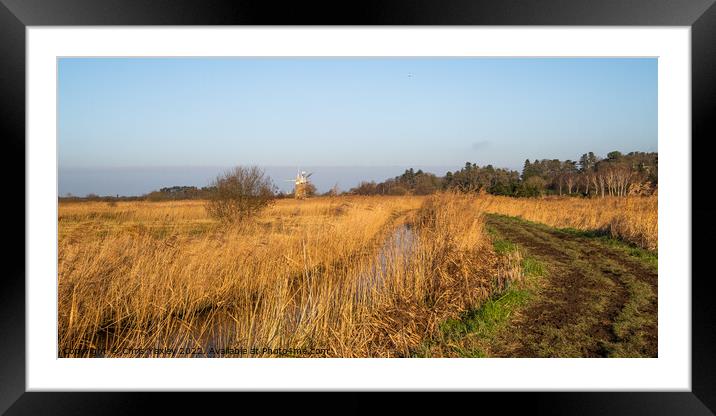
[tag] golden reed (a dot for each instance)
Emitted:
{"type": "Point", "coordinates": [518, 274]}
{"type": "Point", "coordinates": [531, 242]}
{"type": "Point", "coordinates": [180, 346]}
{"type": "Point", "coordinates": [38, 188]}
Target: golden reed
{"type": "Point", "coordinates": [340, 276]}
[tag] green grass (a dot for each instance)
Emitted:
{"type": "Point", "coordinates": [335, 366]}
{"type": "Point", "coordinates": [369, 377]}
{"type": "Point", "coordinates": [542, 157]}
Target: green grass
{"type": "Point", "coordinates": [603, 237]}
{"type": "Point", "coordinates": [485, 330]}
{"type": "Point", "coordinates": [466, 335]}
{"type": "Point", "coordinates": [532, 267]}
{"type": "Point", "coordinates": [649, 257]}
{"type": "Point", "coordinates": [483, 322]}
{"type": "Point", "coordinates": [503, 246]}
{"type": "Point", "coordinates": [617, 273]}
{"type": "Point", "coordinates": [629, 325]}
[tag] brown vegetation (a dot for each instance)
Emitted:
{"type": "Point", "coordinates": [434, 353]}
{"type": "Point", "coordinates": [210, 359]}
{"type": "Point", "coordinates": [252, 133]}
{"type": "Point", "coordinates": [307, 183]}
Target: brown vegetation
{"type": "Point", "coordinates": [344, 276]}
{"type": "Point", "coordinates": [357, 276]}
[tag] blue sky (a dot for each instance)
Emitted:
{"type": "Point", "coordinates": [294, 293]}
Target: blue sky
{"type": "Point", "coordinates": [356, 116]}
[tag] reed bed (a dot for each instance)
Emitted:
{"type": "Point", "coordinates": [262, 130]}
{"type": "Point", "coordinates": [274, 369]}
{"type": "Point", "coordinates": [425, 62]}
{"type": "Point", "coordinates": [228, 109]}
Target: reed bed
{"type": "Point", "coordinates": [324, 277]}
{"type": "Point", "coordinates": [345, 277]}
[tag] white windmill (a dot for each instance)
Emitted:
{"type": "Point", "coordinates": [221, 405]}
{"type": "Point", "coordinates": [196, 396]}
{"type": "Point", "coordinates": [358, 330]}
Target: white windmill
{"type": "Point", "coordinates": [301, 183]}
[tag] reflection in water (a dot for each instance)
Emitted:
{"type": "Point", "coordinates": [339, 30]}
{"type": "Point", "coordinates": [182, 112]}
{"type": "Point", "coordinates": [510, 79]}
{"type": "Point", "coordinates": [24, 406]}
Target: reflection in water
{"type": "Point", "coordinates": [395, 255]}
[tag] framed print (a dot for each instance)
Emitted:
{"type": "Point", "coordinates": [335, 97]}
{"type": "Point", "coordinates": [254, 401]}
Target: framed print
{"type": "Point", "coordinates": [400, 198]}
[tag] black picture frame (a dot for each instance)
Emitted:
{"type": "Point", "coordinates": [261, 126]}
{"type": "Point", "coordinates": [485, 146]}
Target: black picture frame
{"type": "Point", "coordinates": [16, 15]}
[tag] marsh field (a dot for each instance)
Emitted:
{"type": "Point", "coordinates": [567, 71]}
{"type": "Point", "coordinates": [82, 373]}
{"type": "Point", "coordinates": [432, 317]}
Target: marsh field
{"type": "Point", "coordinates": [446, 275]}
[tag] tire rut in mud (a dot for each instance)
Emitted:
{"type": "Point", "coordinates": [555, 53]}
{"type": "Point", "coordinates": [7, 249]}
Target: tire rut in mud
{"type": "Point", "coordinates": [596, 300]}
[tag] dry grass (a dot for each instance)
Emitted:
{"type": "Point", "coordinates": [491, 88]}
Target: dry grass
{"type": "Point", "coordinates": [344, 276]}
{"type": "Point", "coordinates": [633, 219]}
{"type": "Point", "coordinates": [324, 273]}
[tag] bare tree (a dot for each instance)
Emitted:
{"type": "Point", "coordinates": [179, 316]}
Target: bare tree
{"type": "Point", "coordinates": [624, 177]}
{"type": "Point", "coordinates": [570, 180]}
{"type": "Point", "coordinates": [240, 193]}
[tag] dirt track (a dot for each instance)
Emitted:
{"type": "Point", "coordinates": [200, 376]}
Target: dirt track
{"type": "Point", "coordinates": [596, 300]}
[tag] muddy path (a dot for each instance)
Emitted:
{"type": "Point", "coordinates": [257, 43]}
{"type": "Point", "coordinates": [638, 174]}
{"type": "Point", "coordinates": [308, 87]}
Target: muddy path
{"type": "Point", "coordinates": [596, 299]}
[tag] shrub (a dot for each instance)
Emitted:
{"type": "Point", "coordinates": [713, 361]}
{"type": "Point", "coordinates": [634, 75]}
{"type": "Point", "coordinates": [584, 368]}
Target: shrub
{"type": "Point", "coordinates": [397, 190]}
{"type": "Point", "coordinates": [240, 193]}
{"type": "Point", "coordinates": [533, 186]}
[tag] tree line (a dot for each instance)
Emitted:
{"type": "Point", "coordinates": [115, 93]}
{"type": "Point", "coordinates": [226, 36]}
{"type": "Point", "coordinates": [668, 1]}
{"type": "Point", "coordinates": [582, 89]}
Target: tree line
{"type": "Point", "coordinates": [617, 174]}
